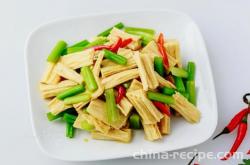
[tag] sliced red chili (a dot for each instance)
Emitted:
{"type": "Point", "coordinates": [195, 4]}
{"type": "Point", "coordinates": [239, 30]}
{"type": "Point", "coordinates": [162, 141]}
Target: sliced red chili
{"type": "Point", "coordinates": [126, 42]}
{"type": "Point", "coordinates": [121, 91]}
{"type": "Point", "coordinates": [101, 47]}
{"type": "Point", "coordinates": [162, 107]}
{"type": "Point", "coordinates": [116, 46]}
{"type": "Point", "coordinates": [163, 51]}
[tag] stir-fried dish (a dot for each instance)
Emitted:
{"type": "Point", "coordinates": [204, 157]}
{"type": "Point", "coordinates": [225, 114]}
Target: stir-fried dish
{"type": "Point", "coordinates": [126, 78]}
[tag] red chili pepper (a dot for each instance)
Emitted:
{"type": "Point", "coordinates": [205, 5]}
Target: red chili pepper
{"type": "Point", "coordinates": [121, 93]}
{"type": "Point", "coordinates": [116, 46]}
{"type": "Point", "coordinates": [126, 42]}
{"type": "Point", "coordinates": [240, 137]}
{"type": "Point", "coordinates": [102, 47]}
{"type": "Point", "coordinates": [234, 122]}
{"type": "Point", "coordinates": [248, 153]}
{"type": "Point", "coordinates": [162, 107]}
{"type": "Point", "coordinates": [163, 51]}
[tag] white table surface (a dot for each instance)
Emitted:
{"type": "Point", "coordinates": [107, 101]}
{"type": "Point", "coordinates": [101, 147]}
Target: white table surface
{"type": "Point", "coordinates": [224, 24]}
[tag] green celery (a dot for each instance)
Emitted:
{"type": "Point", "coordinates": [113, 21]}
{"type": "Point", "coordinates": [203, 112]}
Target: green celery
{"type": "Point", "coordinates": [160, 97]}
{"type": "Point", "coordinates": [115, 57]}
{"type": "Point", "coordinates": [89, 78]}
{"type": "Point", "coordinates": [57, 51]}
{"type": "Point", "coordinates": [112, 112]}
{"type": "Point", "coordinates": [105, 33]}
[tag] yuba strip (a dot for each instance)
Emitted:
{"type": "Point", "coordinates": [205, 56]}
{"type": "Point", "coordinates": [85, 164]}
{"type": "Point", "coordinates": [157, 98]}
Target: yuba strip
{"type": "Point", "coordinates": [119, 78]}
{"type": "Point", "coordinates": [68, 73]}
{"type": "Point", "coordinates": [149, 66]}
{"type": "Point", "coordinates": [57, 106]}
{"type": "Point", "coordinates": [151, 131]}
{"type": "Point", "coordinates": [97, 108]}
{"type": "Point", "coordinates": [78, 59]}
{"type": "Point", "coordinates": [124, 135]}
{"type": "Point", "coordinates": [185, 108]}
{"type": "Point", "coordinates": [142, 71]}
{"type": "Point", "coordinates": [164, 125]}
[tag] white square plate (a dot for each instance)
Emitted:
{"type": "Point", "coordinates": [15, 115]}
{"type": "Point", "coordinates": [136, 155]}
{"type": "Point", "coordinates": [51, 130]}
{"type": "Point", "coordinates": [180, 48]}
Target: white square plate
{"type": "Point", "coordinates": [51, 136]}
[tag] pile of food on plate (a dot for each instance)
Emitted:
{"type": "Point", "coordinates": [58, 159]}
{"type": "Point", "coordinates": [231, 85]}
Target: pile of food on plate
{"type": "Point", "coordinates": [126, 78]}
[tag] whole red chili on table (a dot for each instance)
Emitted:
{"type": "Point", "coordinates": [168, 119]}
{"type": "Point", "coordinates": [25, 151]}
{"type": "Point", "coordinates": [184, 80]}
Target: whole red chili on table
{"type": "Point", "coordinates": [240, 137]}
{"type": "Point", "coordinates": [234, 122]}
{"type": "Point", "coordinates": [241, 120]}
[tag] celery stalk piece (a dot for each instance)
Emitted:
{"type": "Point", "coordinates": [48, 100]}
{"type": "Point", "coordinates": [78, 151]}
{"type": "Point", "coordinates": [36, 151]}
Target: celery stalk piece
{"type": "Point", "coordinates": [146, 37]}
{"type": "Point", "coordinates": [89, 78]}
{"type": "Point", "coordinates": [115, 57]}
{"type": "Point", "coordinates": [57, 52]}
{"type": "Point", "coordinates": [138, 29]}
{"type": "Point", "coordinates": [160, 97]}
{"type": "Point", "coordinates": [69, 130]}
{"type": "Point", "coordinates": [191, 70]}
{"type": "Point", "coordinates": [179, 72]}
{"type": "Point", "coordinates": [179, 84]}
{"type": "Point", "coordinates": [52, 117]}
{"type": "Point", "coordinates": [97, 41]}
{"type": "Point", "coordinates": [71, 92]}
{"type": "Point", "coordinates": [77, 99]}
{"type": "Point", "coordinates": [158, 66]}
{"type": "Point", "coordinates": [134, 121]}
{"type": "Point", "coordinates": [105, 33]}
{"type": "Point", "coordinates": [191, 92]}
{"type": "Point", "coordinates": [69, 118]}
{"type": "Point", "coordinates": [80, 44]}
{"type": "Point", "coordinates": [72, 50]}
{"type": "Point", "coordinates": [112, 111]}
{"type": "Point", "coordinates": [167, 91]}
